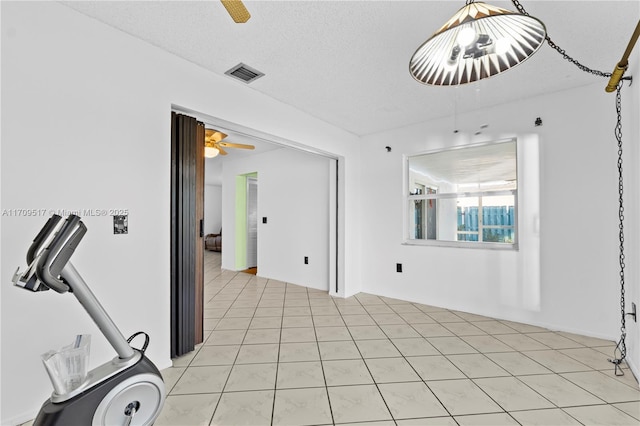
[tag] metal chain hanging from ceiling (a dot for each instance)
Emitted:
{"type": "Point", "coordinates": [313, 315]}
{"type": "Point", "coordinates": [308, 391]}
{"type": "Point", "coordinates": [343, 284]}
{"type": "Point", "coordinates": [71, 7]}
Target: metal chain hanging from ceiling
{"type": "Point", "coordinates": [561, 51]}
{"type": "Point", "coordinates": [621, 347]}
{"type": "Point", "coordinates": [620, 352]}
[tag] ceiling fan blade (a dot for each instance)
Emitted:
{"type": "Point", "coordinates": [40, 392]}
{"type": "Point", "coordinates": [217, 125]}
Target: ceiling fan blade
{"type": "Point", "coordinates": [222, 151]}
{"type": "Point", "coordinates": [236, 9]}
{"type": "Point", "coordinates": [214, 135]}
{"type": "Point", "coordinates": [236, 145]}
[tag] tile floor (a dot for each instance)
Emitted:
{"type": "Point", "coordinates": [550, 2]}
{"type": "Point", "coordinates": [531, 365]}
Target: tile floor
{"type": "Point", "coordinates": [281, 354]}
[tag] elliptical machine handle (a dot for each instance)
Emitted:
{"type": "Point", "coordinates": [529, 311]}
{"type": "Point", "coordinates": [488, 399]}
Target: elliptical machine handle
{"type": "Point", "coordinates": [58, 253]}
{"type": "Point", "coordinates": [41, 237]}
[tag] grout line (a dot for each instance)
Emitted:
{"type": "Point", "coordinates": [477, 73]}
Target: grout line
{"type": "Point", "coordinates": [231, 285]}
{"type": "Point", "coordinates": [364, 362]}
{"type": "Point", "coordinates": [275, 384]}
{"type": "Point", "coordinates": [410, 365]}
{"type": "Point", "coordinates": [167, 392]}
{"type": "Point", "coordinates": [238, 353]}
{"type": "Point", "coordinates": [324, 377]}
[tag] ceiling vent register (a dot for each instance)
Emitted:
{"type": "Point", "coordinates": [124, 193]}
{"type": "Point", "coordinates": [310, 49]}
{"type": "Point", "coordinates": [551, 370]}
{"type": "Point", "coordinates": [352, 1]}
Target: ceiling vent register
{"type": "Point", "coordinates": [244, 73]}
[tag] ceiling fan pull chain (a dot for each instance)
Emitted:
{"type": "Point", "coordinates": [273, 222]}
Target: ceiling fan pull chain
{"type": "Point", "coordinates": [621, 347]}
{"type": "Point", "coordinates": [561, 51]}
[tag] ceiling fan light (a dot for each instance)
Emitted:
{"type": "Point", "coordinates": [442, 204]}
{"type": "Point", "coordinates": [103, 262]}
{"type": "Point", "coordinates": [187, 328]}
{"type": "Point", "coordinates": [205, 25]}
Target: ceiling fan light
{"type": "Point", "coordinates": [479, 41]}
{"type": "Point", "coordinates": [211, 151]}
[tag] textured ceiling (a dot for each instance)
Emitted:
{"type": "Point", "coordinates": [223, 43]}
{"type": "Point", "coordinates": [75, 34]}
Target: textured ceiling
{"type": "Point", "coordinates": [346, 62]}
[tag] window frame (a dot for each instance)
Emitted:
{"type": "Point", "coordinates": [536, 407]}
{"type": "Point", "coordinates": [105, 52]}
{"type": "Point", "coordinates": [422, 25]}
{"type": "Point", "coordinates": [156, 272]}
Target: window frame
{"type": "Point", "coordinates": [409, 198]}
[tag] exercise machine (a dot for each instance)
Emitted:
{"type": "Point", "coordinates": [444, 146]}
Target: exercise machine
{"type": "Point", "coordinates": [128, 390]}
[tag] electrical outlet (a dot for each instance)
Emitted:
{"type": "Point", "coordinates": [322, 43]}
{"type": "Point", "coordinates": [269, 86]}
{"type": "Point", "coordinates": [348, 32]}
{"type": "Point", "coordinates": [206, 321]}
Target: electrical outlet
{"type": "Point", "coordinates": [398, 267]}
{"type": "Point", "coordinates": [264, 219]}
{"type": "Point", "coordinates": [306, 260]}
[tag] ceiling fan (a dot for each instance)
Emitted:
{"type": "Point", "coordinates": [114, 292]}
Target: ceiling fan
{"type": "Point", "coordinates": [213, 144]}
{"type": "Point", "coordinates": [236, 9]}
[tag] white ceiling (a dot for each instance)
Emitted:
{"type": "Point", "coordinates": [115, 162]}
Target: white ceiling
{"type": "Point", "coordinates": [346, 62]}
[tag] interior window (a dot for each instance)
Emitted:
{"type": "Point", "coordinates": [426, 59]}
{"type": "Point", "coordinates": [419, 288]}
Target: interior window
{"type": "Point", "coordinates": [465, 196]}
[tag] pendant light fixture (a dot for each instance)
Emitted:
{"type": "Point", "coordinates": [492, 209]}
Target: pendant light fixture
{"type": "Point", "coordinates": [479, 41]}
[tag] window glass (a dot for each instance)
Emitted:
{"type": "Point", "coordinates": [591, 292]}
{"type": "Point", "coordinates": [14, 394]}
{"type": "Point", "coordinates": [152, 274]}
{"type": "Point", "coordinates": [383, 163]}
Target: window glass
{"type": "Point", "coordinates": [464, 196]}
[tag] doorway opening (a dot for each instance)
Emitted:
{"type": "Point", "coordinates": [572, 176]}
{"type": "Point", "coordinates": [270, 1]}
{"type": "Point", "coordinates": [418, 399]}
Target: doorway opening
{"type": "Point", "coordinates": [326, 258]}
{"type": "Point", "coordinates": [252, 223]}
{"type": "Point", "coordinates": [246, 220]}
{"type": "Point", "coordinates": [246, 223]}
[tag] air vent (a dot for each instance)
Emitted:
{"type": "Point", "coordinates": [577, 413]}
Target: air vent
{"type": "Point", "coordinates": [244, 73]}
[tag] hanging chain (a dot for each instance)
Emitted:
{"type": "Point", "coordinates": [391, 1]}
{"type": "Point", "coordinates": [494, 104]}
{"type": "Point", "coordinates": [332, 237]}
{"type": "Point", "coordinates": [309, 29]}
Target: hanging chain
{"type": "Point", "coordinates": [561, 51]}
{"type": "Point", "coordinates": [621, 348]}
{"type": "Point", "coordinates": [620, 352]}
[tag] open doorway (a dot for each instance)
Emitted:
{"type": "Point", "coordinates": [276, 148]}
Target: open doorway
{"type": "Point", "coordinates": [299, 229]}
{"type": "Point", "coordinates": [252, 225]}
{"type": "Point", "coordinates": [245, 218]}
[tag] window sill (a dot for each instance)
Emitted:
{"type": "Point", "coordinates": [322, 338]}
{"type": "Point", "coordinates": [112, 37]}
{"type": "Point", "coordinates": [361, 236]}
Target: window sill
{"type": "Point", "coordinates": [462, 244]}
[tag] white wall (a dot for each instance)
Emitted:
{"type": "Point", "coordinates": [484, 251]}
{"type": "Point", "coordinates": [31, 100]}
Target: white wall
{"type": "Point", "coordinates": [631, 137]}
{"type": "Point", "coordinates": [212, 209]}
{"type": "Point", "coordinates": [293, 194]}
{"type": "Point", "coordinates": [86, 125]}
{"type": "Point", "coordinates": [577, 287]}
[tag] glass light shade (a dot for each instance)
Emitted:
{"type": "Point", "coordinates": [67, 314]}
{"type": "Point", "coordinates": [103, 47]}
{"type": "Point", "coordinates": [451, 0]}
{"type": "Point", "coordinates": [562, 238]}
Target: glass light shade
{"type": "Point", "coordinates": [210, 151]}
{"type": "Point", "coordinates": [479, 41]}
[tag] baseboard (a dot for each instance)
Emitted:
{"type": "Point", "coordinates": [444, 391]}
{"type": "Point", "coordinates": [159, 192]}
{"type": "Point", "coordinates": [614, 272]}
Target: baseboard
{"type": "Point", "coordinates": [21, 418]}
{"type": "Point", "coordinates": [634, 369]}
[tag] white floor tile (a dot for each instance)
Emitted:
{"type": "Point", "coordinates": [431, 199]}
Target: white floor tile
{"type": "Point", "coordinates": [302, 407]}
{"type": "Point", "coordinates": [511, 394]}
{"type": "Point", "coordinates": [306, 374]}
{"type": "Point", "coordinates": [244, 408]}
{"type": "Point", "coordinates": [346, 372]}
{"type": "Point", "coordinates": [250, 377]}
{"type": "Point", "coordinates": [188, 410]}
{"type": "Point", "coordinates": [476, 366]}
{"type": "Point", "coordinates": [277, 353]}
{"type": "Point", "coordinates": [202, 380]}
{"type": "Point", "coordinates": [435, 367]}
{"type": "Point", "coordinates": [554, 416]}
{"type": "Point", "coordinates": [604, 387]}
{"type": "Point", "coordinates": [411, 400]}
{"type": "Point", "coordinates": [462, 397]}
{"type": "Point", "coordinates": [498, 419]}
{"type": "Point", "coordinates": [605, 415]}
{"type": "Point", "coordinates": [415, 347]}
{"type": "Point", "coordinates": [357, 404]}
{"type": "Point", "coordinates": [391, 370]}
{"type": "Point", "coordinates": [559, 390]}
